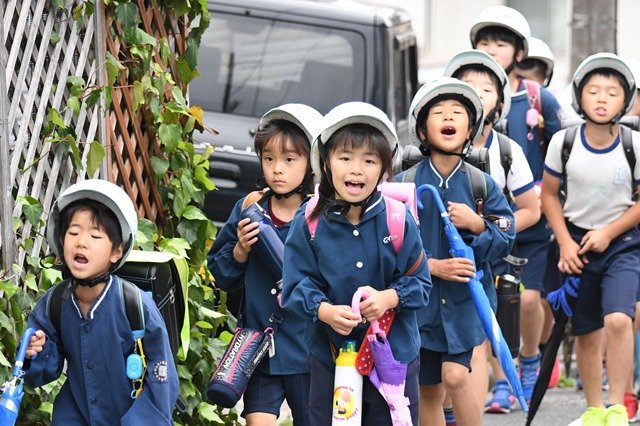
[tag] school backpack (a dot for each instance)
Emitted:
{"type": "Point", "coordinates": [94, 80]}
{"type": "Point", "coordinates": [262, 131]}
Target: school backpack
{"type": "Point", "coordinates": [626, 137]}
{"type": "Point", "coordinates": [397, 197]}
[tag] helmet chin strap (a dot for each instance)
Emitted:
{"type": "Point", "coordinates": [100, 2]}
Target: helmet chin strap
{"type": "Point", "coordinates": [491, 116]}
{"type": "Point", "coordinates": [262, 182]}
{"type": "Point", "coordinates": [342, 207]}
{"type": "Point", "coordinates": [91, 282]}
{"type": "Point", "coordinates": [428, 147]}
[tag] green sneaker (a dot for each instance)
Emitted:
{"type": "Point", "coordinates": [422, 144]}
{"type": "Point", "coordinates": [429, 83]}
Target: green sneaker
{"type": "Point", "coordinates": [594, 416]}
{"type": "Point", "coordinates": [617, 416]}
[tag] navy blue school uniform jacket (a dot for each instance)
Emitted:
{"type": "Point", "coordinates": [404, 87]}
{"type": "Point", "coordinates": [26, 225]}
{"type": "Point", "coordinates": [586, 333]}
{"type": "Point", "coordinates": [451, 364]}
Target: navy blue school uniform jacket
{"type": "Point", "coordinates": [450, 322]}
{"type": "Point", "coordinates": [259, 300]}
{"type": "Point", "coordinates": [97, 390]}
{"type": "Point", "coordinates": [343, 257]}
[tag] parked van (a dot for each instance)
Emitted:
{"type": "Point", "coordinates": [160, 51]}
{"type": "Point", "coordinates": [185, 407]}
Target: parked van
{"type": "Point", "coordinates": [258, 54]}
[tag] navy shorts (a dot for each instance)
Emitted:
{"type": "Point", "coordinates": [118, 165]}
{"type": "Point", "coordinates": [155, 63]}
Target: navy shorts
{"type": "Point", "coordinates": [431, 364]}
{"type": "Point", "coordinates": [609, 281]}
{"type": "Point", "coordinates": [375, 410]}
{"type": "Point", "coordinates": [265, 393]}
{"type": "Point", "coordinates": [533, 273]}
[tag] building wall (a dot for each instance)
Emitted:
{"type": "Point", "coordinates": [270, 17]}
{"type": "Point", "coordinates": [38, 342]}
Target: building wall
{"type": "Point", "coordinates": [442, 29]}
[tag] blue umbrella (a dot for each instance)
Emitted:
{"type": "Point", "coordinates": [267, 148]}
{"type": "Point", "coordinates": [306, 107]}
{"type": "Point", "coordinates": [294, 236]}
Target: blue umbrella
{"type": "Point", "coordinates": [12, 390]}
{"type": "Point", "coordinates": [458, 248]}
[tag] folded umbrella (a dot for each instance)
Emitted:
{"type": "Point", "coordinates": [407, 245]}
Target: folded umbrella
{"type": "Point", "coordinates": [458, 248]}
{"type": "Point", "coordinates": [562, 302]}
{"type": "Point", "coordinates": [12, 391]}
{"type": "Point", "coordinates": [387, 374]}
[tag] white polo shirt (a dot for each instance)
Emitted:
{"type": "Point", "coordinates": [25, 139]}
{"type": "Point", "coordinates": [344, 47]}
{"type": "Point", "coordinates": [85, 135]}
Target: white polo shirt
{"type": "Point", "coordinates": [598, 179]}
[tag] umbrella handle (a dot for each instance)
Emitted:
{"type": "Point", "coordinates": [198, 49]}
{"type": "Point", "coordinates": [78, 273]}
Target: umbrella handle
{"type": "Point", "coordinates": [22, 351]}
{"type": "Point", "coordinates": [362, 294]}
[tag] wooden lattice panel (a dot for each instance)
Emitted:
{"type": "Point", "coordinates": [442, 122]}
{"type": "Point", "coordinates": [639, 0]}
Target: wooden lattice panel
{"type": "Point", "coordinates": [131, 146]}
{"type": "Point", "coordinates": [36, 74]}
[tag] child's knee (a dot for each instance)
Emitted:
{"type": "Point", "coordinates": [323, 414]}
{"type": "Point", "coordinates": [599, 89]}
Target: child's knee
{"type": "Point", "coordinates": [618, 323]}
{"type": "Point", "coordinates": [454, 376]}
{"type": "Point", "coordinates": [530, 301]}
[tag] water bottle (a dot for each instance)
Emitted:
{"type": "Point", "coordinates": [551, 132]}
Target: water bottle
{"type": "Point", "coordinates": [347, 388]}
{"type": "Point", "coordinates": [508, 315]}
{"type": "Point", "coordinates": [269, 246]}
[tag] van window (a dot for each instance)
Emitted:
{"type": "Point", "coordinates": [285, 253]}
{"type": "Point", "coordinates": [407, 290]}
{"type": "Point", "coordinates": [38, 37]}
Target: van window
{"type": "Point", "coordinates": [249, 64]}
{"type": "Point", "coordinates": [405, 82]}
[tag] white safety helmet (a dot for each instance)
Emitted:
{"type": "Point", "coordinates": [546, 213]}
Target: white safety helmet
{"type": "Point", "coordinates": [303, 116]}
{"type": "Point", "coordinates": [104, 192]}
{"type": "Point", "coordinates": [446, 87]}
{"type": "Point", "coordinates": [604, 61]}
{"type": "Point", "coordinates": [540, 50]}
{"type": "Point", "coordinates": [505, 17]}
{"type": "Point", "coordinates": [478, 57]}
{"type": "Point", "coordinates": [352, 113]}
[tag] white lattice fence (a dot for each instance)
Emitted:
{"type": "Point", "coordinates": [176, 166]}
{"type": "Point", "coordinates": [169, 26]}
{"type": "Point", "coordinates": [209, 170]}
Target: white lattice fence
{"type": "Point", "coordinates": [43, 47]}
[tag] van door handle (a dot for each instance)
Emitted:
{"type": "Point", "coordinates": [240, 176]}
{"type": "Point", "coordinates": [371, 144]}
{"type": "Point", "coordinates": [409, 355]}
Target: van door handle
{"type": "Point", "coordinates": [222, 170]}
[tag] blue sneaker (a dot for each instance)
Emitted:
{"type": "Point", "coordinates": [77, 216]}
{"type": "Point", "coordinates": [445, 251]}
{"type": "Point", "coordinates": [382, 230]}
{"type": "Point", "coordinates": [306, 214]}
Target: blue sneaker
{"type": "Point", "coordinates": [449, 418]}
{"type": "Point", "coordinates": [529, 369]}
{"type": "Point", "coordinates": [502, 399]}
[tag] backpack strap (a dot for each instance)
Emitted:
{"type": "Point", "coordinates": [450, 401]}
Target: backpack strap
{"type": "Point", "coordinates": [506, 159]}
{"type": "Point", "coordinates": [131, 299]}
{"type": "Point", "coordinates": [626, 137]}
{"type": "Point", "coordinates": [132, 303]}
{"type": "Point", "coordinates": [253, 197]}
{"type": "Point", "coordinates": [478, 185]}
{"type": "Point", "coordinates": [396, 211]}
{"type": "Point", "coordinates": [533, 93]}
{"type": "Point", "coordinates": [567, 146]}
{"type": "Point", "coordinates": [59, 294]}
{"type": "Point", "coordinates": [565, 153]}
{"type": "Point", "coordinates": [312, 224]}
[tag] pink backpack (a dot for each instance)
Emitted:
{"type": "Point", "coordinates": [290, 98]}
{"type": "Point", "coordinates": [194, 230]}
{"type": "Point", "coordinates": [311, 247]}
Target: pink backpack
{"type": "Point", "coordinates": [397, 197]}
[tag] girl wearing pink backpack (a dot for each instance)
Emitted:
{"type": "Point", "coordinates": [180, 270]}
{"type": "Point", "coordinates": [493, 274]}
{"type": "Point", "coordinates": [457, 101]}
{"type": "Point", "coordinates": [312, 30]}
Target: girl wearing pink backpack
{"type": "Point", "coordinates": [352, 246]}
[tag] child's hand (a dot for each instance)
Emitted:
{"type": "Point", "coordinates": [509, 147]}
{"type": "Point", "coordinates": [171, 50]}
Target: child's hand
{"type": "Point", "coordinates": [463, 217]}
{"type": "Point", "coordinates": [36, 343]}
{"type": "Point", "coordinates": [378, 303]}
{"type": "Point", "coordinates": [340, 317]}
{"type": "Point", "coordinates": [247, 237]}
{"type": "Point", "coordinates": [570, 260]}
{"type": "Point", "coordinates": [596, 241]}
{"type": "Point", "coordinates": [457, 269]}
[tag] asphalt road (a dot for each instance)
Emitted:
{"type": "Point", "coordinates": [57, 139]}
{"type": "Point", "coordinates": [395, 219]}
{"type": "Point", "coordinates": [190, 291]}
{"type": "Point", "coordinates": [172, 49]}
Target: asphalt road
{"type": "Point", "coordinates": [560, 407]}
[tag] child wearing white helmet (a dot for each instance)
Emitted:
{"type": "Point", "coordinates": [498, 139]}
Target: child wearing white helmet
{"type": "Point", "coordinates": [351, 247]}
{"type": "Point", "coordinates": [596, 227]}
{"type": "Point", "coordinates": [534, 117]}
{"type": "Point", "coordinates": [91, 228]}
{"type": "Point", "coordinates": [446, 118]}
{"type": "Point", "coordinates": [514, 176]}
{"type": "Point", "coordinates": [283, 144]}
{"type": "Point", "coordinates": [538, 64]}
